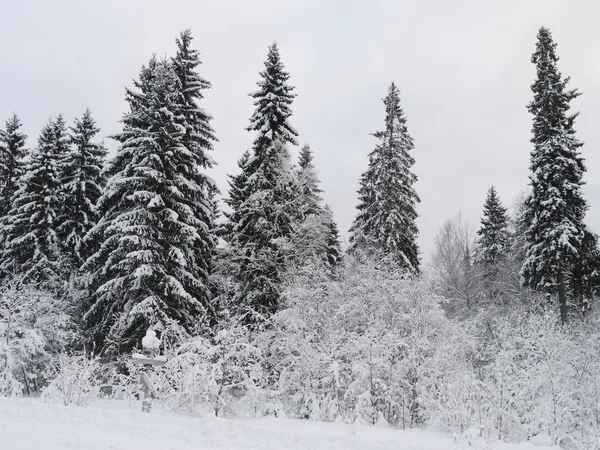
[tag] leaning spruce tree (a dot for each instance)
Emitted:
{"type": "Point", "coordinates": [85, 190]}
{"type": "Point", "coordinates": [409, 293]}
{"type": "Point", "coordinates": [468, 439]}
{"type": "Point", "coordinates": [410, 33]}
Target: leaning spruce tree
{"type": "Point", "coordinates": [555, 210]}
{"type": "Point", "coordinates": [494, 241]}
{"type": "Point", "coordinates": [262, 197]}
{"type": "Point", "coordinates": [31, 243]}
{"type": "Point", "coordinates": [386, 219]}
{"type": "Point", "coordinates": [152, 267]}
{"type": "Point", "coordinates": [12, 152]}
{"type": "Point", "coordinates": [81, 186]}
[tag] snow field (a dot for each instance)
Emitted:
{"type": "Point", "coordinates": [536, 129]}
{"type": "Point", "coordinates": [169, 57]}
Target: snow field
{"type": "Point", "coordinates": [31, 424]}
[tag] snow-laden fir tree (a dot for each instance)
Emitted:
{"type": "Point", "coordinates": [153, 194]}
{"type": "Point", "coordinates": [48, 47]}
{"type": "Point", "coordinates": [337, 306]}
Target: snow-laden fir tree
{"type": "Point", "coordinates": [261, 239]}
{"type": "Point", "coordinates": [333, 244]}
{"type": "Point", "coordinates": [262, 197]}
{"type": "Point", "coordinates": [309, 183]}
{"type": "Point", "coordinates": [273, 103]}
{"type": "Point", "coordinates": [32, 247]}
{"type": "Point", "coordinates": [81, 187]}
{"type": "Point", "coordinates": [198, 139]}
{"type": "Point", "coordinates": [12, 152]}
{"type": "Point", "coordinates": [386, 219]}
{"type": "Point", "coordinates": [199, 135]}
{"type": "Point", "coordinates": [316, 235]}
{"type": "Point", "coordinates": [556, 208]}
{"type": "Point", "coordinates": [494, 239]}
{"type": "Point", "coordinates": [236, 196]}
{"type": "Point", "coordinates": [584, 282]}
{"type": "Point", "coordinates": [152, 267]}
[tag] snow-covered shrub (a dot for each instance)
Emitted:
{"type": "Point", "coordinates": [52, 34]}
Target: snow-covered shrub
{"type": "Point", "coordinates": [120, 379]}
{"type": "Point", "coordinates": [223, 370]}
{"type": "Point", "coordinates": [362, 347]}
{"type": "Point", "coordinates": [77, 381]}
{"type": "Point", "coordinates": [34, 327]}
{"type": "Point", "coordinates": [529, 377]}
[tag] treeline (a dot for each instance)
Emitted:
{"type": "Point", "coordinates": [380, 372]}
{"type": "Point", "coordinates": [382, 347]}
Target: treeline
{"type": "Point", "coordinates": [136, 236]}
{"type": "Point", "coordinates": [131, 241]}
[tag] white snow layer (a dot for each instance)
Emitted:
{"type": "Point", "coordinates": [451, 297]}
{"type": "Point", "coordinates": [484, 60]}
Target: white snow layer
{"type": "Point", "coordinates": [31, 424]}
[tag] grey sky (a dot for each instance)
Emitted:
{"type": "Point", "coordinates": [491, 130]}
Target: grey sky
{"type": "Point", "coordinates": [462, 67]}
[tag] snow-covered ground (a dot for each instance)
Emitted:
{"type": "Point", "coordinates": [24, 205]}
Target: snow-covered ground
{"type": "Point", "coordinates": [31, 424]}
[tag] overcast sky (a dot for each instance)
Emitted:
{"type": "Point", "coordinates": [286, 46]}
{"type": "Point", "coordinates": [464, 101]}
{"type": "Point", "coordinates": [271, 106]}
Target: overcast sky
{"type": "Point", "coordinates": [463, 69]}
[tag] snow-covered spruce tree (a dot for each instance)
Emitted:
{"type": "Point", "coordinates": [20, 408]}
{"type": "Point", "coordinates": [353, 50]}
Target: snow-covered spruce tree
{"type": "Point", "coordinates": [262, 197]}
{"type": "Point", "coordinates": [199, 135]}
{"type": "Point", "coordinates": [273, 103]}
{"type": "Point", "coordinates": [81, 187]}
{"type": "Point", "coordinates": [260, 240]}
{"type": "Point", "coordinates": [584, 282]}
{"type": "Point", "coordinates": [493, 243]}
{"type": "Point", "coordinates": [333, 248]}
{"type": "Point", "coordinates": [152, 265]}
{"type": "Point", "coordinates": [32, 246]}
{"type": "Point", "coordinates": [12, 152]}
{"type": "Point", "coordinates": [309, 183]}
{"type": "Point", "coordinates": [387, 212]}
{"type": "Point", "coordinates": [314, 236]}
{"type": "Point", "coordinates": [556, 208]}
{"type": "Point", "coordinates": [236, 195]}
{"type": "Point", "coordinates": [270, 120]}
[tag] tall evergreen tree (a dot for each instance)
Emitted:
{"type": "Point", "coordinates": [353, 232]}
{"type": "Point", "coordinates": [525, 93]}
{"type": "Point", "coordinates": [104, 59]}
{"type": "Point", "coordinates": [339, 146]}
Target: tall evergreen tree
{"type": "Point", "coordinates": [333, 248]}
{"type": "Point", "coordinates": [309, 183]}
{"type": "Point", "coordinates": [494, 240]}
{"type": "Point", "coordinates": [262, 197]}
{"type": "Point", "coordinates": [12, 152]}
{"type": "Point", "coordinates": [273, 103]}
{"type": "Point", "coordinates": [316, 235]}
{"type": "Point", "coordinates": [236, 196]}
{"type": "Point", "coordinates": [584, 282]}
{"type": "Point", "coordinates": [81, 187]}
{"type": "Point", "coordinates": [32, 247]}
{"type": "Point", "coordinates": [261, 237]}
{"type": "Point", "coordinates": [199, 135]}
{"type": "Point", "coordinates": [153, 266]}
{"type": "Point", "coordinates": [198, 139]}
{"type": "Point", "coordinates": [556, 209]}
{"type": "Point", "coordinates": [386, 219]}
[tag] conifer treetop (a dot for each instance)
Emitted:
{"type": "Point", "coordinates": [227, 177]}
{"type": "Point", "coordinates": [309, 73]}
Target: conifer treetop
{"type": "Point", "coordinates": [199, 134]}
{"type": "Point", "coordinates": [12, 153]}
{"type": "Point", "coordinates": [273, 103]}
{"type": "Point", "coordinates": [493, 235]}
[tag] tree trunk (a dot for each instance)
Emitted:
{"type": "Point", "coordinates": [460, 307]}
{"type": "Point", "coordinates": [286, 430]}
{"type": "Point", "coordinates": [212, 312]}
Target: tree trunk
{"type": "Point", "coordinates": [562, 297]}
{"type": "Point", "coordinates": [26, 382]}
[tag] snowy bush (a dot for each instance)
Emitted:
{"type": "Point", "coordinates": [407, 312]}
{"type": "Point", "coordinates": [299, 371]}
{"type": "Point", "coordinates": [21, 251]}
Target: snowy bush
{"type": "Point", "coordinates": [33, 328]}
{"type": "Point", "coordinates": [77, 381]}
{"type": "Point", "coordinates": [361, 347]}
{"type": "Point", "coordinates": [223, 370]}
{"type": "Point", "coordinates": [529, 377]}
